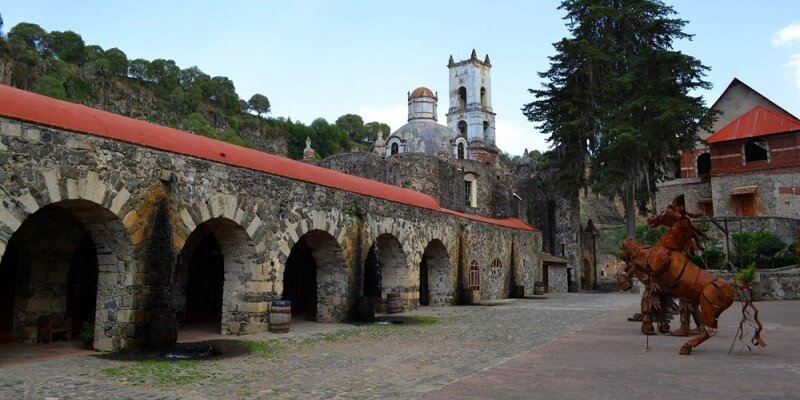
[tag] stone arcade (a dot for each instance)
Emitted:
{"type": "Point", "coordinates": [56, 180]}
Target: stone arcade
{"type": "Point", "coordinates": [141, 229]}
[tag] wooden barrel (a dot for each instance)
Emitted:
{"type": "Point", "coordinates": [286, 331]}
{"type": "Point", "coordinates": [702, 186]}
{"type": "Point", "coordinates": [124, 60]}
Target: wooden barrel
{"type": "Point", "coordinates": [280, 316]}
{"type": "Point", "coordinates": [394, 304]}
{"type": "Point", "coordinates": [365, 309]}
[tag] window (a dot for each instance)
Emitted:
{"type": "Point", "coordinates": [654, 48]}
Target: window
{"type": "Point", "coordinates": [703, 164]}
{"type": "Point", "coordinates": [483, 97]}
{"type": "Point", "coordinates": [496, 264]}
{"type": "Point", "coordinates": [744, 205]}
{"type": "Point", "coordinates": [461, 151]}
{"type": "Point", "coordinates": [755, 150]}
{"type": "Point", "coordinates": [395, 148]}
{"type": "Point", "coordinates": [462, 127]}
{"type": "Point", "coordinates": [485, 128]}
{"type": "Point", "coordinates": [462, 98]}
{"type": "Point", "coordinates": [470, 191]}
{"type": "Point", "coordinates": [474, 276]}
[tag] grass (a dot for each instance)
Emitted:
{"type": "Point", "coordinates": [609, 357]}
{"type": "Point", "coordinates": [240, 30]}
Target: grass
{"type": "Point", "coordinates": [266, 348]}
{"type": "Point", "coordinates": [159, 371]}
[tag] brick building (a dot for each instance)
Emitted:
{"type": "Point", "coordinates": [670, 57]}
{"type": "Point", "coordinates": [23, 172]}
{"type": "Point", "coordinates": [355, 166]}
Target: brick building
{"type": "Point", "coordinates": [747, 168]}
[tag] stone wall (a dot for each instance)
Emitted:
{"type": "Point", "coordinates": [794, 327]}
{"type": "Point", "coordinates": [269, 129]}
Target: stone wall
{"type": "Point", "coordinates": [557, 278]}
{"type": "Point", "coordinates": [777, 194]}
{"type": "Point", "coordinates": [142, 206]}
{"type": "Point", "coordinates": [775, 284]}
{"type": "Point", "coordinates": [695, 191]}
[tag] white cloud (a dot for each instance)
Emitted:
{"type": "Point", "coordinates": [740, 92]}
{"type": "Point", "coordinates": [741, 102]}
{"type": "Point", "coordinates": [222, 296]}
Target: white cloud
{"type": "Point", "coordinates": [514, 139]}
{"type": "Point", "coordinates": [394, 116]}
{"type": "Point", "coordinates": [788, 35]}
{"type": "Point", "coordinates": [794, 64]}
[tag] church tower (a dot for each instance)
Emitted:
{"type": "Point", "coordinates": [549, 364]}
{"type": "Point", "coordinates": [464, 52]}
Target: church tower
{"type": "Point", "coordinates": [470, 114]}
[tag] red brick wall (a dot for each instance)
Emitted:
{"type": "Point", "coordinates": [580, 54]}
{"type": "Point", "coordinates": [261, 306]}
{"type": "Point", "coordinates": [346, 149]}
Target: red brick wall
{"type": "Point", "coordinates": [689, 162]}
{"type": "Point", "coordinates": [728, 158]}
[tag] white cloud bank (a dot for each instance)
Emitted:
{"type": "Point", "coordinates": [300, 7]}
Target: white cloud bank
{"type": "Point", "coordinates": [787, 35]}
{"type": "Point", "coordinates": [794, 64]}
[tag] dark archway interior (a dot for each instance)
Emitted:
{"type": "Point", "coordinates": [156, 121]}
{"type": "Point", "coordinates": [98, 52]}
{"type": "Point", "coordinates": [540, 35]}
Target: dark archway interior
{"type": "Point", "coordinates": [300, 280]}
{"type": "Point", "coordinates": [204, 282]}
{"type": "Point", "coordinates": [755, 150]}
{"type": "Point", "coordinates": [462, 98]}
{"type": "Point", "coordinates": [424, 286]}
{"type": "Point", "coordinates": [385, 269]}
{"type": "Point", "coordinates": [50, 267]}
{"type": "Point", "coordinates": [704, 164]}
{"type": "Point", "coordinates": [372, 274]}
{"type": "Point", "coordinates": [435, 286]}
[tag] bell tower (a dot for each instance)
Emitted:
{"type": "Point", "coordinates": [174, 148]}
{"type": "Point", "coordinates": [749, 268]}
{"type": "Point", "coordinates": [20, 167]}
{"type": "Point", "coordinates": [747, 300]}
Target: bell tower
{"type": "Point", "coordinates": [470, 114]}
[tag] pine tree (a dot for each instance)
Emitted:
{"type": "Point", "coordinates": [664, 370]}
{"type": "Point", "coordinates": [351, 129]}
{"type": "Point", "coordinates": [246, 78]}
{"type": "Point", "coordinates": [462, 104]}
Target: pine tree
{"type": "Point", "coordinates": [617, 99]}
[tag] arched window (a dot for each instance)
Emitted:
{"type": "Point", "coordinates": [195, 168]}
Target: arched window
{"type": "Point", "coordinates": [462, 127]}
{"type": "Point", "coordinates": [461, 151]}
{"type": "Point", "coordinates": [474, 276]}
{"type": "Point", "coordinates": [755, 150]}
{"type": "Point", "coordinates": [704, 164]}
{"type": "Point", "coordinates": [470, 191]}
{"type": "Point", "coordinates": [483, 97]}
{"type": "Point", "coordinates": [395, 148]}
{"type": "Point", "coordinates": [462, 98]}
{"type": "Point", "coordinates": [485, 128]}
{"type": "Point", "coordinates": [497, 264]}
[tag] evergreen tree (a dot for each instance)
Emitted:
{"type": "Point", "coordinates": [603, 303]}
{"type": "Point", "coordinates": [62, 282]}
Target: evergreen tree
{"type": "Point", "coordinates": [617, 99]}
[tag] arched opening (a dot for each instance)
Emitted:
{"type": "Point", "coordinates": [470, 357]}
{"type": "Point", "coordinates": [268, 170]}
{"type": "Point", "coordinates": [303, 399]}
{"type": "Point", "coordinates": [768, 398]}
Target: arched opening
{"type": "Point", "coordinates": [385, 270]}
{"type": "Point", "coordinates": [485, 129]}
{"type": "Point", "coordinates": [315, 279]}
{"type": "Point", "coordinates": [483, 97]}
{"type": "Point", "coordinates": [461, 151]}
{"type": "Point", "coordinates": [217, 252]}
{"type": "Point", "coordinates": [462, 127]}
{"type": "Point", "coordinates": [462, 98]}
{"type": "Point", "coordinates": [60, 274]}
{"type": "Point", "coordinates": [755, 150]}
{"type": "Point", "coordinates": [474, 281]}
{"type": "Point", "coordinates": [435, 283]}
{"type": "Point", "coordinates": [395, 148]}
{"type": "Point", "coordinates": [703, 164]}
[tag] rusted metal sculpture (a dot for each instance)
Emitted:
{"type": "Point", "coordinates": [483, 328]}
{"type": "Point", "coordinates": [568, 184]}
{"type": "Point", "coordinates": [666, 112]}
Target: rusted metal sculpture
{"type": "Point", "coordinates": [671, 269]}
{"type": "Point", "coordinates": [653, 304]}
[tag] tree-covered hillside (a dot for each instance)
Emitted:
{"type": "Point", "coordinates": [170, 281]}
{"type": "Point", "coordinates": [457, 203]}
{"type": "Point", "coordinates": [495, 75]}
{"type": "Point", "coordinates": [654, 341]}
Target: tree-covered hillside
{"type": "Point", "coordinates": [61, 65]}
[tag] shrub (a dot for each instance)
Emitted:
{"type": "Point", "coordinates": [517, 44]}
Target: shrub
{"type": "Point", "coordinates": [711, 258]}
{"type": "Point", "coordinates": [745, 275]}
{"type": "Point", "coordinates": [647, 235]}
{"type": "Point", "coordinates": [745, 245]}
{"type": "Point", "coordinates": [784, 258]}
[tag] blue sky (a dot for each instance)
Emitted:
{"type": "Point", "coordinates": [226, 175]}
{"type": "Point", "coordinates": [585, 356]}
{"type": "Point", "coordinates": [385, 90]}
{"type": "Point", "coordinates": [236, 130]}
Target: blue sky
{"type": "Point", "coordinates": [327, 58]}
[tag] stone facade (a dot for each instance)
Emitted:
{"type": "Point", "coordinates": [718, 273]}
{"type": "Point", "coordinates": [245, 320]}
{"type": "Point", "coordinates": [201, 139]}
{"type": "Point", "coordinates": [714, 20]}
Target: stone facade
{"type": "Point", "coordinates": [145, 211]}
{"type": "Point", "coordinates": [775, 284]}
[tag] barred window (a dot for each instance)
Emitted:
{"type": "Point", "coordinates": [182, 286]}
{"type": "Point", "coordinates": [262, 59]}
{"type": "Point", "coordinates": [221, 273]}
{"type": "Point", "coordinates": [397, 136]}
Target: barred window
{"type": "Point", "coordinates": [474, 276]}
{"type": "Point", "coordinates": [496, 264]}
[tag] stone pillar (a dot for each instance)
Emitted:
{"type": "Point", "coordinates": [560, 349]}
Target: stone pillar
{"type": "Point", "coordinates": [308, 152]}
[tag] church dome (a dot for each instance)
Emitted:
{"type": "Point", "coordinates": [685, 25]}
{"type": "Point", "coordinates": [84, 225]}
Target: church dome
{"type": "Point", "coordinates": [424, 136]}
{"type": "Point", "coordinates": [421, 92]}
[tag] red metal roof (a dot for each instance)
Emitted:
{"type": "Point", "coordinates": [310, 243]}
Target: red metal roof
{"type": "Point", "coordinates": [759, 121]}
{"type": "Point", "coordinates": [35, 108]}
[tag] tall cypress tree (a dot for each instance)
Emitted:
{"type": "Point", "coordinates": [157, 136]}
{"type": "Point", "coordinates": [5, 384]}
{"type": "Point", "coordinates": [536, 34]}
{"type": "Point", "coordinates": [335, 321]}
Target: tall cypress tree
{"type": "Point", "coordinates": [616, 99]}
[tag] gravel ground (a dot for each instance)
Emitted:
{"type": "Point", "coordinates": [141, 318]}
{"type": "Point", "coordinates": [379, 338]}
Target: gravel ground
{"type": "Point", "coordinates": [437, 346]}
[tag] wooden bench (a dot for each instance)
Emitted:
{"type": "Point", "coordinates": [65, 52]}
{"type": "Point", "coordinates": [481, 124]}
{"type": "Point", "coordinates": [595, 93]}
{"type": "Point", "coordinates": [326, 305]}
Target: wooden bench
{"type": "Point", "coordinates": [52, 325]}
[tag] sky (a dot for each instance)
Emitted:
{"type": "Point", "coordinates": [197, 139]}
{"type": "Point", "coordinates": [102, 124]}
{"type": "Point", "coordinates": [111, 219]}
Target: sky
{"type": "Point", "coordinates": [328, 58]}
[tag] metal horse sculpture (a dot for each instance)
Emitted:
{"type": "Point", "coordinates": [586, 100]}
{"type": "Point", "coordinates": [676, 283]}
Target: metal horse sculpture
{"type": "Point", "coordinates": [673, 272]}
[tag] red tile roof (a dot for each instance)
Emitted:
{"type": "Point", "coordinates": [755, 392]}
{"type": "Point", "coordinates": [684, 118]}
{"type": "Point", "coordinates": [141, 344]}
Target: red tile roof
{"type": "Point", "coordinates": [26, 106]}
{"type": "Point", "coordinates": [759, 121]}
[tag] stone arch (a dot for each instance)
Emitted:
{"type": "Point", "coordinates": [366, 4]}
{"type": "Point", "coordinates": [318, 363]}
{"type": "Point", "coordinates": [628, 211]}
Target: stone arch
{"type": "Point", "coordinates": [704, 164]}
{"type": "Point", "coordinates": [316, 279]}
{"type": "Point", "coordinates": [220, 249]}
{"type": "Point", "coordinates": [435, 275]}
{"type": "Point", "coordinates": [462, 98]}
{"type": "Point", "coordinates": [386, 269]}
{"type": "Point", "coordinates": [71, 245]}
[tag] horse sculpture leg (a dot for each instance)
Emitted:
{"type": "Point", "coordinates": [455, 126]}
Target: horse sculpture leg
{"type": "Point", "coordinates": [715, 298]}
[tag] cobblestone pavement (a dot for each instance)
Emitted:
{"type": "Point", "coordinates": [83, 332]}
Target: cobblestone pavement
{"type": "Point", "coordinates": [608, 361]}
{"type": "Point", "coordinates": [333, 361]}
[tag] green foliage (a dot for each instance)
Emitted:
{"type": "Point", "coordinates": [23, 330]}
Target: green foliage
{"type": "Point", "coordinates": [647, 235]}
{"type": "Point", "coordinates": [616, 98]}
{"type": "Point", "coordinates": [371, 130]}
{"type": "Point", "coordinates": [30, 36]}
{"type": "Point", "coordinates": [352, 125]}
{"type": "Point", "coordinates": [611, 240]}
{"type": "Point", "coordinates": [710, 258]}
{"type": "Point", "coordinates": [784, 258]}
{"type": "Point", "coordinates": [507, 160]}
{"type": "Point", "coordinates": [769, 245]}
{"type": "Point", "coordinates": [137, 69]}
{"type": "Point", "coordinates": [159, 371]}
{"type": "Point", "coordinates": [746, 247]}
{"type": "Point", "coordinates": [117, 62]}
{"type": "Point", "coordinates": [87, 333]}
{"type": "Point", "coordinates": [259, 103]}
{"type": "Point", "coordinates": [50, 86]}
{"type": "Point", "coordinates": [67, 46]}
{"type": "Point", "coordinates": [745, 276]}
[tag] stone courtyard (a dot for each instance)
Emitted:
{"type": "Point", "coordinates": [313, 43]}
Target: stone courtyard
{"type": "Point", "coordinates": [568, 346]}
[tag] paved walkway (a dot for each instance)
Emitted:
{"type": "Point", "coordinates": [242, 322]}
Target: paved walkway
{"type": "Point", "coordinates": [329, 360]}
{"type": "Point", "coordinates": [607, 361]}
